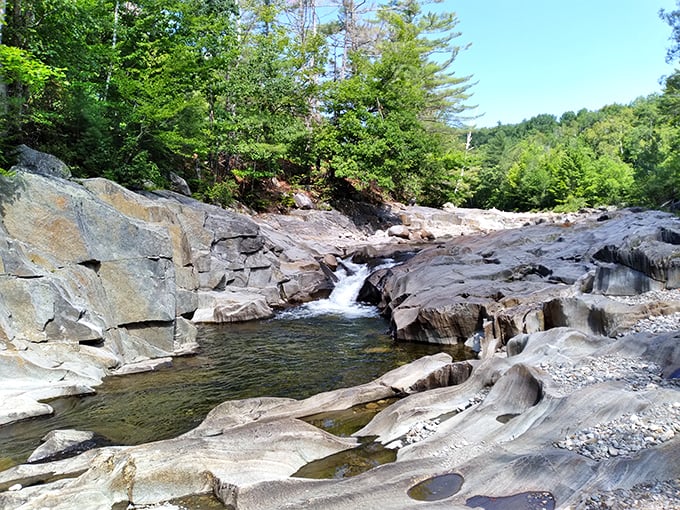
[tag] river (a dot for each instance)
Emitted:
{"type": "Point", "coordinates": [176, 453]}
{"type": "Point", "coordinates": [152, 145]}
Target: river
{"type": "Point", "coordinates": [316, 347]}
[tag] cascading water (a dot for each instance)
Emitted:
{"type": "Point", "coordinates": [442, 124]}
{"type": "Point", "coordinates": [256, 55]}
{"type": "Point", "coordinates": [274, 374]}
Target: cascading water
{"type": "Point", "coordinates": [343, 299]}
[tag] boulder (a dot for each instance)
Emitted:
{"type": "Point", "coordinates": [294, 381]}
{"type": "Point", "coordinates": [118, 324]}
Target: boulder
{"type": "Point", "coordinates": [231, 306]}
{"type": "Point", "coordinates": [524, 280]}
{"type": "Point", "coordinates": [401, 231]}
{"type": "Point", "coordinates": [96, 278]}
{"type": "Point", "coordinates": [63, 442]}
{"type": "Point", "coordinates": [302, 201]}
{"type": "Point", "coordinates": [179, 184]}
{"type": "Point", "coordinates": [33, 161]}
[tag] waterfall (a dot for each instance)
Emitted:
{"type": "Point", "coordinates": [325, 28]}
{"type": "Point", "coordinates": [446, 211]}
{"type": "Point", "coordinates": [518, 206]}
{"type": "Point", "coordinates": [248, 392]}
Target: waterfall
{"type": "Point", "coordinates": [342, 301]}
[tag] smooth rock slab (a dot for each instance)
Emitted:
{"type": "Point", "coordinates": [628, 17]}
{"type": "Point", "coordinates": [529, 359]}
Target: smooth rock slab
{"type": "Point", "coordinates": [62, 442]}
{"type": "Point", "coordinates": [144, 366]}
{"type": "Point", "coordinates": [231, 306]}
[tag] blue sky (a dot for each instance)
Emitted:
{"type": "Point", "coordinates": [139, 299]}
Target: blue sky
{"type": "Point", "coordinates": [551, 56]}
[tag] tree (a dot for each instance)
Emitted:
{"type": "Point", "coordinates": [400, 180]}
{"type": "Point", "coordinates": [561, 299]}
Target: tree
{"type": "Point", "coordinates": [390, 116]}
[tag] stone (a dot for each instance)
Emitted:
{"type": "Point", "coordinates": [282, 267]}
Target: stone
{"type": "Point", "coordinates": [179, 184]}
{"type": "Point", "coordinates": [401, 231]}
{"type": "Point", "coordinates": [62, 442]}
{"type": "Point", "coordinates": [231, 306]}
{"type": "Point", "coordinates": [525, 280]}
{"type": "Point", "coordinates": [31, 160]}
{"type": "Point", "coordinates": [618, 280]}
{"type": "Point", "coordinates": [302, 201]}
{"type": "Point", "coordinates": [149, 365]}
{"type": "Point", "coordinates": [566, 395]}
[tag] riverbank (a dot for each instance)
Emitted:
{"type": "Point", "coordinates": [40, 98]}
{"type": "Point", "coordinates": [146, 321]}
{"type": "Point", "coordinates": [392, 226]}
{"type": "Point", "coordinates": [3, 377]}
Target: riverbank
{"type": "Point", "coordinates": [573, 395]}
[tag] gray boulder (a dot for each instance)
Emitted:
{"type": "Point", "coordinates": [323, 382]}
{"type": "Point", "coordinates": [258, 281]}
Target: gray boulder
{"type": "Point", "coordinates": [33, 161]}
{"type": "Point", "coordinates": [302, 201]}
{"type": "Point", "coordinates": [179, 184]}
{"type": "Point", "coordinates": [94, 278]}
{"type": "Point", "coordinates": [63, 442]}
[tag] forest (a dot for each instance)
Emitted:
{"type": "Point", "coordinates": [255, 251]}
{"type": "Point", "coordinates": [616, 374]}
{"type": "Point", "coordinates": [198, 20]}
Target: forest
{"type": "Point", "coordinates": [250, 100]}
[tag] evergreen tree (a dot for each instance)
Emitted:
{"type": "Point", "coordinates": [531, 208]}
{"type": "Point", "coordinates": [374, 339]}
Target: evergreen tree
{"type": "Point", "coordinates": [388, 119]}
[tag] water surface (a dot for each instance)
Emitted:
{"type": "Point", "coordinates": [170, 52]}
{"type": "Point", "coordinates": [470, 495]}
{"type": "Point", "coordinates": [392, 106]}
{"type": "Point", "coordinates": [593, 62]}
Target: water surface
{"type": "Point", "coordinates": [317, 347]}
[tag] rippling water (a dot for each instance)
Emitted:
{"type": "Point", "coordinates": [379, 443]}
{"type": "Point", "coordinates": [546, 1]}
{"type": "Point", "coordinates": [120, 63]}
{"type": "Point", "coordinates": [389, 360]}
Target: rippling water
{"type": "Point", "coordinates": [308, 350]}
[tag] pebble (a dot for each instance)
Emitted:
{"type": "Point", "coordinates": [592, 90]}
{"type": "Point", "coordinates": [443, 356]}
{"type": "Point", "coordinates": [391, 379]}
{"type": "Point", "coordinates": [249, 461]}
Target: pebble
{"type": "Point", "coordinates": [654, 323]}
{"type": "Point", "coordinates": [425, 428]}
{"type": "Point", "coordinates": [660, 495]}
{"type": "Point", "coordinates": [625, 435]}
{"type": "Point", "coordinates": [637, 376]}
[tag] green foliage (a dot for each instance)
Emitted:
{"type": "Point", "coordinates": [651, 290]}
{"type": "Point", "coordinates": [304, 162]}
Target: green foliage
{"type": "Point", "coordinates": [221, 193]}
{"type": "Point", "coordinates": [232, 94]}
{"type": "Point", "coordinates": [387, 117]}
{"type": "Point", "coordinates": [618, 155]}
{"type": "Point", "coordinates": [18, 66]}
{"type": "Point", "coordinates": [139, 173]}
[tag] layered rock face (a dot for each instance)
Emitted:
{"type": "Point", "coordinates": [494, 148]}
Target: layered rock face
{"type": "Point", "coordinates": [96, 279]}
{"type": "Point", "coordinates": [486, 289]}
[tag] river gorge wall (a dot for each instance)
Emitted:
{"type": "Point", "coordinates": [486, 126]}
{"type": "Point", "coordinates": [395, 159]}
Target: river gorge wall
{"type": "Point", "coordinates": [97, 280]}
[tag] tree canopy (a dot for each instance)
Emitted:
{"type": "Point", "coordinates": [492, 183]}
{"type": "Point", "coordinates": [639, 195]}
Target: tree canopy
{"type": "Point", "coordinates": [236, 96]}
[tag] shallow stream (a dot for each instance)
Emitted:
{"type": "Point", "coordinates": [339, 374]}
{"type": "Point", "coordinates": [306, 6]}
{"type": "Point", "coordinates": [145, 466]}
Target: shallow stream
{"type": "Point", "coordinates": [321, 346]}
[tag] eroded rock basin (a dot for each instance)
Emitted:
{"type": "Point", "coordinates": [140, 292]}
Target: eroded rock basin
{"type": "Point", "coordinates": [437, 487]}
{"type": "Point", "coordinates": [293, 358]}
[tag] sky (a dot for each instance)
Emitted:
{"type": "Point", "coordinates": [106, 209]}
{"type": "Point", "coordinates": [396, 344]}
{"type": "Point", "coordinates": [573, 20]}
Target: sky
{"type": "Point", "coordinates": [551, 56]}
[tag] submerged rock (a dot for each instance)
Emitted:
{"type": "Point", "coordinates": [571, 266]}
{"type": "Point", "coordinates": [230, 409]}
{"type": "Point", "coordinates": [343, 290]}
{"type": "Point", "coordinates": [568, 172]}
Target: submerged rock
{"type": "Point", "coordinates": [238, 445]}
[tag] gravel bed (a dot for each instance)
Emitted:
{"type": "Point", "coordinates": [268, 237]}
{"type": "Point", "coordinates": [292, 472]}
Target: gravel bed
{"type": "Point", "coordinates": [660, 495]}
{"type": "Point", "coordinates": [658, 324]}
{"type": "Point", "coordinates": [626, 434]}
{"type": "Point", "coordinates": [637, 374]}
{"type": "Point", "coordinates": [653, 296]}
{"type": "Point", "coordinates": [655, 323]}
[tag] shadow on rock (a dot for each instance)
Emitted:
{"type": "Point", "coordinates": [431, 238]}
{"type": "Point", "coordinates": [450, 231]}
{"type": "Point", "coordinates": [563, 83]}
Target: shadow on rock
{"type": "Point", "coordinates": [516, 391]}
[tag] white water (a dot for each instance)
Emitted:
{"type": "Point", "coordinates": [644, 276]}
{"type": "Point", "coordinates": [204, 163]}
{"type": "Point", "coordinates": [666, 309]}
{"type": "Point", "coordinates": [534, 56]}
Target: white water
{"type": "Point", "coordinates": [342, 301]}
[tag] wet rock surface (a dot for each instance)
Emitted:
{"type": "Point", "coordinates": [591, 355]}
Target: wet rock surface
{"type": "Point", "coordinates": [436, 488]}
{"type": "Point", "coordinates": [525, 501]}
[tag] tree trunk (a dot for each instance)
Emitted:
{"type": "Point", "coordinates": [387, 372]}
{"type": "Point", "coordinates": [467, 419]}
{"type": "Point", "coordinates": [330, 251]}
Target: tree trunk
{"type": "Point", "coordinates": [3, 85]}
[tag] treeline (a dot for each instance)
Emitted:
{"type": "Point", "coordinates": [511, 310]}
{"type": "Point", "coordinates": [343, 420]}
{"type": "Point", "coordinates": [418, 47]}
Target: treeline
{"type": "Point", "coordinates": [620, 155]}
{"type": "Point", "coordinates": [229, 94]}
{"type": "Point", "coordinates": [236, 96]}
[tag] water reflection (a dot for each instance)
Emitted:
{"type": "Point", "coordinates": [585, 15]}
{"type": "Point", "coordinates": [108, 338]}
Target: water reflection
{"type": "Point", "coordinates": [294, 357]}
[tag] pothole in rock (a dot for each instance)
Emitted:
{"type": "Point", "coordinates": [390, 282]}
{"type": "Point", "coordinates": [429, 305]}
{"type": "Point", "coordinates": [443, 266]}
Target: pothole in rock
{"type": "Point", "coordinates": [437, 487]}
{"type": "Point", "coordinates": [354, 461]}
{"type": "Point", "coordinates": [195, 502]}
{"type": "Point", "coordinates": [535, 500]}
{"type": "Point", "coordinates": [348, 463]}
{"type": "Point", "coordinates": [346, 422]}
{"type": "Point", "coordinates": [505, 418]}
